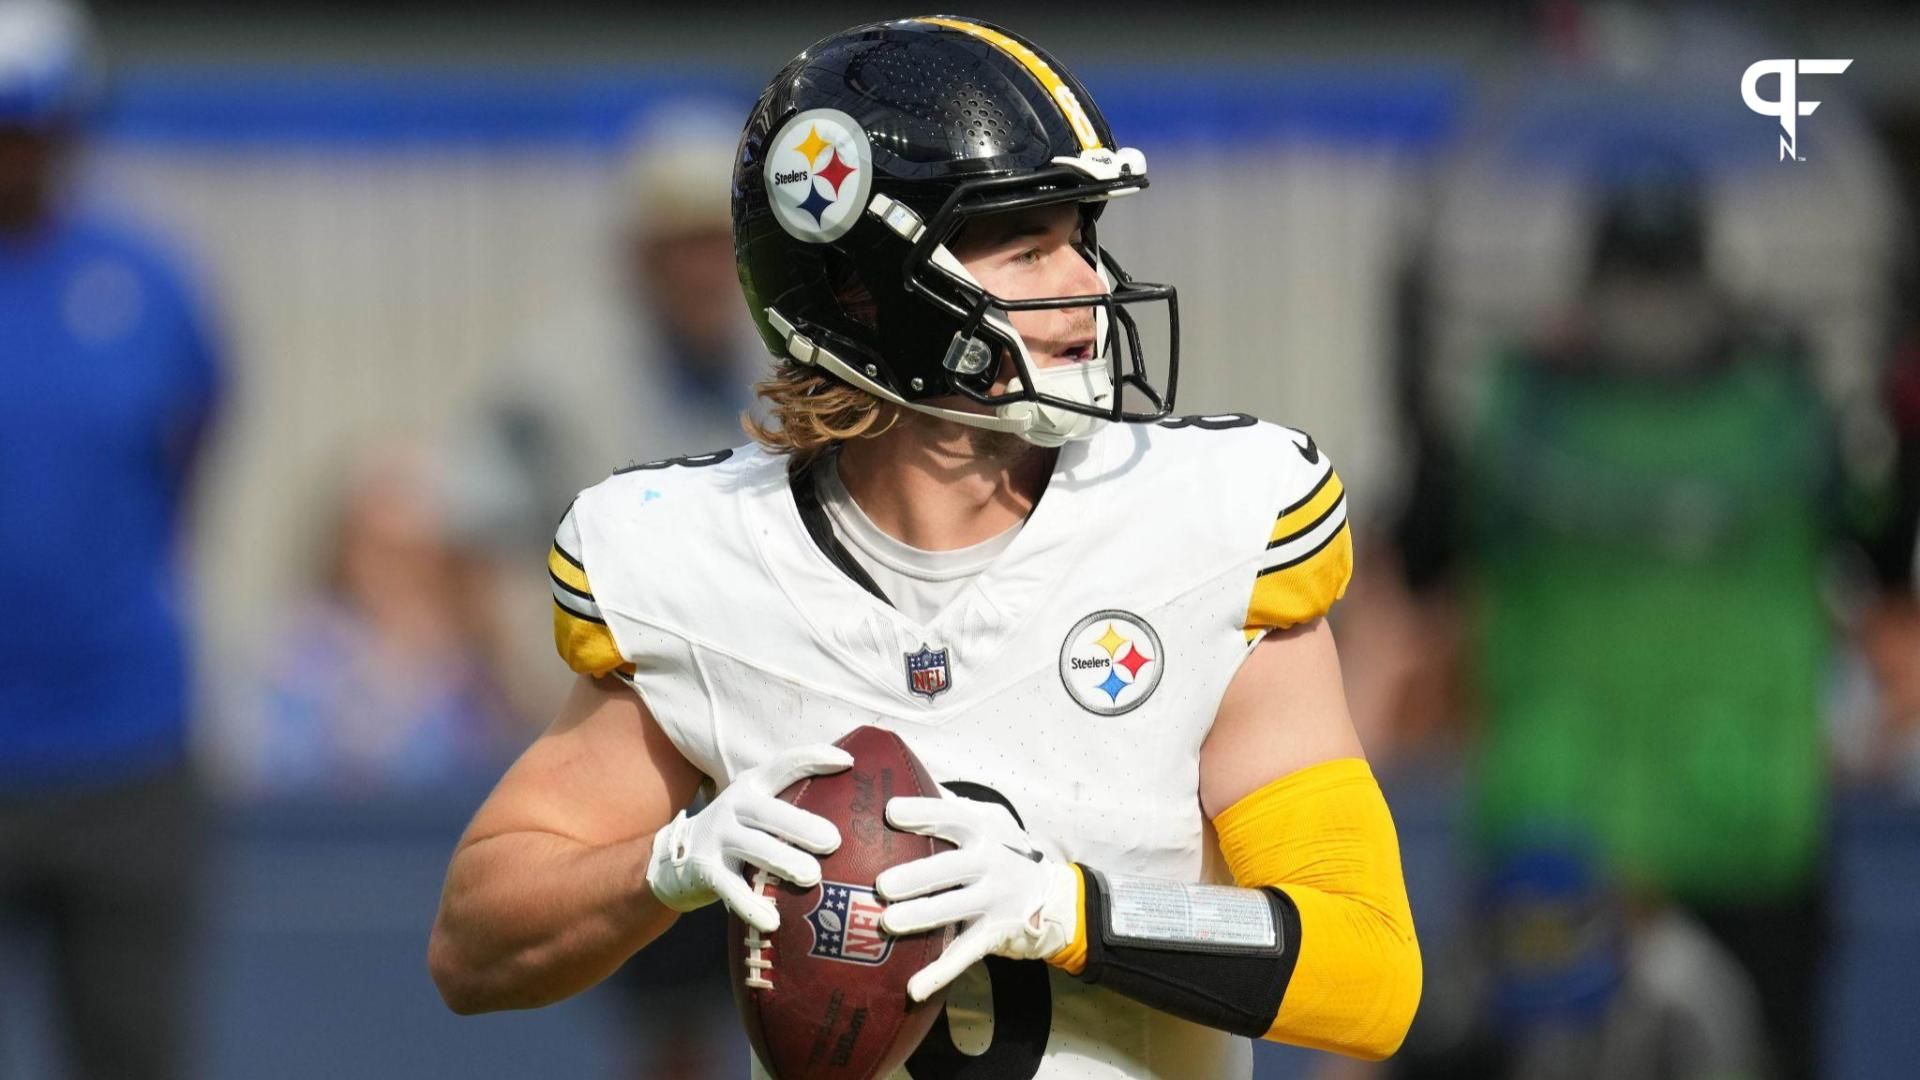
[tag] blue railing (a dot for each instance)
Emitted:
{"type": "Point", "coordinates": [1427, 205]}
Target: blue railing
{"type": "Point", "coordinates": [370, 108]}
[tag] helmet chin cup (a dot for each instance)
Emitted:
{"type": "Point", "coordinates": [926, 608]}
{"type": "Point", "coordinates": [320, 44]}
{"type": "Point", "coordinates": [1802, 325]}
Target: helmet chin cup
{"type": "Point", "coordinates": [1086, 383]}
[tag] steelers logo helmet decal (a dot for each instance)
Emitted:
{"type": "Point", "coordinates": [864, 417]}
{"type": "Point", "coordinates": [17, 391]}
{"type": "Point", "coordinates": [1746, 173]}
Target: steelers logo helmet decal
{"type": "Point", "coordinates": [819, 173]}
{"type": "Point", "coordinates": [1111, 662]}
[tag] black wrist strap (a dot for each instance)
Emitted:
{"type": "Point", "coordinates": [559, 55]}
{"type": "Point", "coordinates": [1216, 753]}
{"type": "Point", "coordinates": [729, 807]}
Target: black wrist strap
{"type": "Point", "coordinates": [1235, 988]}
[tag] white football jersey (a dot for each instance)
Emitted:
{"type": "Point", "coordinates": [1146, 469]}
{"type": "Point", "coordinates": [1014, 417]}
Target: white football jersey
{"type": "Point", "coordinates": [1077, 676]}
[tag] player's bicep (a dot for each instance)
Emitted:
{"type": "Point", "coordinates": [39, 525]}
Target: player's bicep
{"type": "Point", "coordinates": [603, 772]}
{"type": "Point", "coordinates": [1286, 709]}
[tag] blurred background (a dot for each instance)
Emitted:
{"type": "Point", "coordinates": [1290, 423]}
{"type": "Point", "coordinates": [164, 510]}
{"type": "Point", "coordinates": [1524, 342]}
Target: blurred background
{"type": "Point", "coordinates": [313, 318]}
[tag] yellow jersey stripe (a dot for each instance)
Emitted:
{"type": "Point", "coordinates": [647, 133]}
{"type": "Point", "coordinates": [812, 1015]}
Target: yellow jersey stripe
{"type": "Point", "coordinates": [1304, 590]}
{"type": "Point", "coordinates": [567, 572]}
{"type": "Point", "coordinates": [1049, 79]}
{"type": "Point", "coordinates": [1308, 512]}
{"type": "Point", "coordinates": [587, 647]}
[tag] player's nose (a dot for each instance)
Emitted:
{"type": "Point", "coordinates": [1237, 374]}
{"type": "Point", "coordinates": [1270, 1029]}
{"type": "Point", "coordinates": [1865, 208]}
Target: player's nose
{"type": "Point", "coordinates": [1080, 278]}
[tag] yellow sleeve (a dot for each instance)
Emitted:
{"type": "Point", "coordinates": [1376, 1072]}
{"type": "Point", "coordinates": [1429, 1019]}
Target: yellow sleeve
{"type": "Point", "coordinates": [1309, 553]}
{"type": "Point", "coordinates": [579, 630]}
{"type": "Point", "coordinates": [1323, 835]}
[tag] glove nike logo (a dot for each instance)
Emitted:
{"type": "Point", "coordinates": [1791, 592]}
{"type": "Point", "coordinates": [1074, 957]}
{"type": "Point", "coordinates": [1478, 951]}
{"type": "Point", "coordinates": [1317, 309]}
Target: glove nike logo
{"type": "Point", "coordinates": [1310, 451]}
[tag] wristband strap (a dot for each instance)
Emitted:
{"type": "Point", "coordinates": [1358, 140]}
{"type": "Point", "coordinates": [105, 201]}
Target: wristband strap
{"type": "Point", "coordinates": [1204, 953]}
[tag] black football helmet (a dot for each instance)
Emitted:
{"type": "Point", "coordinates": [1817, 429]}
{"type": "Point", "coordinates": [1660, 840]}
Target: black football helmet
{"type": "Point", "coordinates": [865, 156]}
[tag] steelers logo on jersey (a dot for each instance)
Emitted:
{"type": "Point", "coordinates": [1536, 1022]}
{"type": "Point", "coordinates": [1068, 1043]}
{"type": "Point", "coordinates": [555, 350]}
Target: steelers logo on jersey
{"type": "Point", "coordinates": [1111, 662]}
{"type": "Point", "coordinates": [819, 173]}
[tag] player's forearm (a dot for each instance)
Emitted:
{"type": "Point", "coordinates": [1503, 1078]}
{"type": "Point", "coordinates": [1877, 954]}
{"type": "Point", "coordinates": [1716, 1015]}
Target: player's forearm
{"type": "Point", "coordinates": [530, 918]}
{"type": "Point", "coordinates": [1325, 838]}
{"type": "Point", "coordinates": [1316, 948]}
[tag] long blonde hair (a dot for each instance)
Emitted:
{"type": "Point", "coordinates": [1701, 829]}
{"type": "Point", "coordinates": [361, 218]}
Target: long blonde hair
{"type": "Point", "coordinates": [810, 412]}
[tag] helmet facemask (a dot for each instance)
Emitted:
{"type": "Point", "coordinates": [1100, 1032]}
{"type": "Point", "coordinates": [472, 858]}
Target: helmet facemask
{"type": "Point", "coordinates": [1045, 405]}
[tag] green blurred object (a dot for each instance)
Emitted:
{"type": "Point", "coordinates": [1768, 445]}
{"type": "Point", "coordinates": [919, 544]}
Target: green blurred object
{"type": "Point", "coordinates": [1648, 557]}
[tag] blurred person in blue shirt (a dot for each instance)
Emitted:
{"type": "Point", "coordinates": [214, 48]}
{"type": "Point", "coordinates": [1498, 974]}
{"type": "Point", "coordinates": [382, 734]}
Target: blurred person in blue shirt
{"type": "Point", "coordinates": [110, 380]}
{"type": "Point", "coordinates": [1565, 976]}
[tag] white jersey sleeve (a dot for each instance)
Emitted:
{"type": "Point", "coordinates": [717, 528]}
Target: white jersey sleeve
{"type": "Point", "coordinates": [579, 629]}
{"type": "Point", "coordinates": [632, 557]}
{"type": "Point", "coordinates": [594, 641]}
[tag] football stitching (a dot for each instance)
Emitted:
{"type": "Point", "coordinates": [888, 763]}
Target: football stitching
{"type": "Point", "coordinates": [758, 966]}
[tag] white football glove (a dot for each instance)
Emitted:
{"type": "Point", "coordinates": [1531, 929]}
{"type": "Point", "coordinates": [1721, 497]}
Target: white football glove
{"type": "Point", "coordinates": [699, 859]}
{"type": "Point", "coordinates": [1014, 901]}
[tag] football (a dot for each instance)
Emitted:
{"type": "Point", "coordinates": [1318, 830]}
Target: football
{"type": "Point", "coordinates": [825, 995]}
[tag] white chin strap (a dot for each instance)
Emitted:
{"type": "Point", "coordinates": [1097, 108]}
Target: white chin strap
{"type": "Point", "coordinates": [1041, 425]}
{"type": "Point", "coordinates": [1049, 425]}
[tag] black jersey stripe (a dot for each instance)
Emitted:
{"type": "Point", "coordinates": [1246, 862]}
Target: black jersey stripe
{"type": "Point", "coordinates": [577, 564]}
{"type": "Point", "coordinates": [1337, 505]}
{"type": "Point", "coordinates": [1298, 559]}
{"type": "Point", "coordinates": [581, 593]}
{"type": "Point", "coordinates": [1325, 479]}
{"type": "Point", "coordinates": [581, 615]}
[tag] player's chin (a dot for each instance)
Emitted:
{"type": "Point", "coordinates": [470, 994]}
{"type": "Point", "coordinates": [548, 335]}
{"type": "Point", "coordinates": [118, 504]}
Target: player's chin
{"type": "Point", "coordinates": [983, 444]}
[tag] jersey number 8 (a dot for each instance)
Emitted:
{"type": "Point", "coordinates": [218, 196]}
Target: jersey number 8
{"type": "Point", "coordinates": [1022, 1008]}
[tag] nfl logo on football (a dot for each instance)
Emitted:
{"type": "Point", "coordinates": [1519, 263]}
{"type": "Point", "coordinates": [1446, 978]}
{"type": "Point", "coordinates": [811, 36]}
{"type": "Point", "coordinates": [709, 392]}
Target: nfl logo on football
{"type": "Point", "coordinates": [846, 925]}
{"type": "Point", "coordinates": [927, 671]}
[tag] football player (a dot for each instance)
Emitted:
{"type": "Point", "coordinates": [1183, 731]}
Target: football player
{"type": "Point", "coordinates": [968, 521]}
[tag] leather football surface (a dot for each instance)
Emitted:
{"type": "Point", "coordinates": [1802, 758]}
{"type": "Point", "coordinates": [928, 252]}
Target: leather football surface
{"type": "Point", "coordinates": [825, 995]}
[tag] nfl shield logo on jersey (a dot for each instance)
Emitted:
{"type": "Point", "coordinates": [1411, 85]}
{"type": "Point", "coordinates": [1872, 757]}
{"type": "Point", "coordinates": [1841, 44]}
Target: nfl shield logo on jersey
{"type": "Point", "coordinates": [927, 671]}
{"type": "Point", "coordinates": [846, 925]}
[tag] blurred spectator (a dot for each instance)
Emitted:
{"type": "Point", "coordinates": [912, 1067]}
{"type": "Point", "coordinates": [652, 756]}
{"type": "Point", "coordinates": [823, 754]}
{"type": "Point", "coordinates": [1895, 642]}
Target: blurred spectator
{"type": "Point", "coordinates": [1891, 628]}
{"type": "Point", "coordinates": [664, 367]}
{"type": "Point", "coordinates": [1564, 979]}
{"type": "Point", "coordinates": [661, 364]}
{"type": "Point", "coordinates": [379, 683]}
{"type": "Point", "coordinates": [111, 381]}
{"type": "Point", "coordinates": [1637, 520]}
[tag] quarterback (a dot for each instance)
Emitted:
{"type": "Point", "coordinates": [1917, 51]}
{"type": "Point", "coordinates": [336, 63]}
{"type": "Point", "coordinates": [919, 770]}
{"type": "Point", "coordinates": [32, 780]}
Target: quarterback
{"type": "Point", "coordinates": [969, 520]}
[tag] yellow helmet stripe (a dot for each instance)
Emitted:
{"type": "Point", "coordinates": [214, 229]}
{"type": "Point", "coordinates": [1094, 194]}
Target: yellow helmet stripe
{"type": "Point", "coordinates": [1048, 78]}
